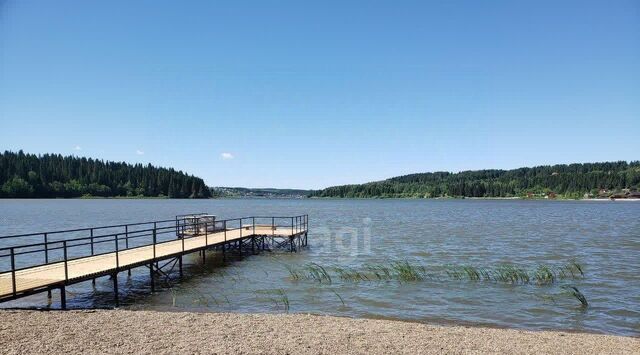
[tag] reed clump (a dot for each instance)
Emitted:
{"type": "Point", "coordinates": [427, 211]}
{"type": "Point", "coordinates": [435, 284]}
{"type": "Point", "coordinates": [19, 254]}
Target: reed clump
{"type": "Point", "coordinates": [277, 296]}
{"type": "Point", "coordinates": [318, 273]}
{"type": "Point", "coordinates": [573, 291]}
{"type": "Point", "coordinates": [404, 271]}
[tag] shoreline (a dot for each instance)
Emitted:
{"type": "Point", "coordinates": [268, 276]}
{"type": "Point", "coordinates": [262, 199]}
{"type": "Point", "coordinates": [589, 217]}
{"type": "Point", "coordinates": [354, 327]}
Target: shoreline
{"type": "Point", "coordinates": [513, 198]}
{"type": "Point", "coordinates": [152, 332]}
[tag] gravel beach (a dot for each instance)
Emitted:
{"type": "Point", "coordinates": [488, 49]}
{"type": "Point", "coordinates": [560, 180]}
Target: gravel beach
{"type": "Point", "coordinates": [145, 332]}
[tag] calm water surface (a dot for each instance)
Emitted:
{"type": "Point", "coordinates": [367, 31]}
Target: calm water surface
{"type": "Point", "coordinates": [603, 236]}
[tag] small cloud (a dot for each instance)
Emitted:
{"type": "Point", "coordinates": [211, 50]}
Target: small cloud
{"type": "Point", "coordinates": [227, 156]}
{"type": "Point", "coordinates": [77, 148]}
{"type": "Point", "coordinates": [139, 152]}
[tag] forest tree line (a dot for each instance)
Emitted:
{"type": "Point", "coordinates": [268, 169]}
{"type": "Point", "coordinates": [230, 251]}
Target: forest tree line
{"type": "Point", "coordinates": [53, 175]}
{"type": "Point", "coordinates": [567, 181]}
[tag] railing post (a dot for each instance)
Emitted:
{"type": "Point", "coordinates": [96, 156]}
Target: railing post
{"type": "Point", "coordinates": [66, 267]}
{"type": "Point", "coordinates": [292, 226]}
{"type": "Point", "coordinates": [254, 225]}
{"type": "Point", "coordinates": [46, 249]}
{"type": "Point", "coordinates": [241, 229]}
{"type": "Point", "coordinates": [224, 245]}
{"type": "Point", "coordinates": [154, 241]}
{"type": "Point", "coordinates": [117, 249]}
{"type": "Point", "coordinates": [91, 241]}
{"type": "Point", "coordinates": [206, 233]}
{"type": "Point", "coordinates": [126, 237]}
{"type": "Point", "coordinates": [273, 226]}
{"type": "Point", "coordinates": [13, 272]}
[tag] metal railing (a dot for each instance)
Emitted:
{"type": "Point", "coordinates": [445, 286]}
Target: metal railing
{"type": "Point", "coordinates": [24, 251]}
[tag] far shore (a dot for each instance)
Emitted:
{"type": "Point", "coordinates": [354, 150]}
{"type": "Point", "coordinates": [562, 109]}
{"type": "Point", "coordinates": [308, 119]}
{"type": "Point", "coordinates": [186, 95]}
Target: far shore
{"type": "Point", "coordinates": [148, 332]}
{"type": "Point", "coordinates": [322, 198]}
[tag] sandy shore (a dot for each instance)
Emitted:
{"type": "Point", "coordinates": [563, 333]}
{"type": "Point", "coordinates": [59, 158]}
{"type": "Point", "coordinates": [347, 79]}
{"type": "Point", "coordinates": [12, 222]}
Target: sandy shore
{"type": "Point", "coordinates": [100, 332]}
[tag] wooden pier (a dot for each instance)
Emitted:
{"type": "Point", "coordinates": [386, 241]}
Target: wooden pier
{"type": "Point", "coordinates": [39, 262]}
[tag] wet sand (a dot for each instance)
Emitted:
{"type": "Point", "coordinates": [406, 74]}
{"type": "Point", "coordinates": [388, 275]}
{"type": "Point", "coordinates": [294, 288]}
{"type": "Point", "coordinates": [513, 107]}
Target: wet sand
{"type": "Point", "coordinates": [146, 332]}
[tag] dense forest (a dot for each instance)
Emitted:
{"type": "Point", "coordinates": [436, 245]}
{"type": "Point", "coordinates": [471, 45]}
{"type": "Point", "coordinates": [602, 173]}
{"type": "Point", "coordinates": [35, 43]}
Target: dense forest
{"type": "Point", "coordinates": [565, 181]}
{"type": "Point", "coordinates": [52, 175]}
{"type": "Point", "coordinates": [259, 192]}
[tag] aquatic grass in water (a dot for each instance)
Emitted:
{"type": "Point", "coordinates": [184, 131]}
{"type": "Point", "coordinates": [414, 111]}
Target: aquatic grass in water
{"type": "Point", "coordinates": [340, 297]}
{"type": "Point", "coordinates": [381, 272]}
{"type": "Point", "coordinates": [511, 274]}
{"type": "Point", "coordinates": [544, 275]}
{"type": "Point", "coordinates": [318, 273]}
{"type": "Point", "coordinates": [350, 274]}
{"type": "Point", "coordinates": [277, 296]}
{"type": "Point", "coordinates": [294, 273]}
{"type": "Point", "coordinates": [406, 271]}
{"type": "Point", "coordinates": [573, 291]}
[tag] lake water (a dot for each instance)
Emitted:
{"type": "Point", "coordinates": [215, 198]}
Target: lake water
{"type": "Point", "coordinates": [604, 237]}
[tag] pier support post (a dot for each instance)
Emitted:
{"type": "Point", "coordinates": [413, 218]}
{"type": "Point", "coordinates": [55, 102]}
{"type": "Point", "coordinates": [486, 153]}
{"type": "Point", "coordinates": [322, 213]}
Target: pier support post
{"type": "Point", "coordinates": [180, 264]}
{"type": "Point", "coordinates": [253, 245]}
{"type": "Point", "coordinates": [63, 297]}
{"type": "Point", "coordinates": [224, 255]}
{"type": "Point", "coordinates": [49, 294]}
{"type": "Point", "coordinates": [115, 289]}
{"type": "Point", "coordinates": [151, 277]}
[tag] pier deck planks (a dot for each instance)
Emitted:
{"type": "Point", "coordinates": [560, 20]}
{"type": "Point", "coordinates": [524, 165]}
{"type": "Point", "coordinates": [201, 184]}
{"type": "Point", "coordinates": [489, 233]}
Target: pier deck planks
{"type": "Point", "coordinates": [53, 274]}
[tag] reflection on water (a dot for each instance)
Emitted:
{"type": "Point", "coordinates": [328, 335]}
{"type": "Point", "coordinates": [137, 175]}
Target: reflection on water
{"type": "Point", "coordinates": [603, 237]}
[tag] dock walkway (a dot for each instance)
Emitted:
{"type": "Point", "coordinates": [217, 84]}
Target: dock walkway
{"type": "Point", "coordinates": [68, 259]}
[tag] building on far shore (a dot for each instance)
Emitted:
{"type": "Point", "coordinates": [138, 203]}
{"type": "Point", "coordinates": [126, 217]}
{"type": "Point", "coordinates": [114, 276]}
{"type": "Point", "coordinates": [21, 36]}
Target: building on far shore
{"type": "Point", "coordinates": [626, 193]}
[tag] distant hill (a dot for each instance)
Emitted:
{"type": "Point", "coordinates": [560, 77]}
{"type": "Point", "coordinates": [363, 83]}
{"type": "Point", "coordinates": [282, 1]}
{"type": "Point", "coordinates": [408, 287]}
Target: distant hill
{"type": "Point", "coordinates": [53, 175]}
{"type": "Point", "coordinates": [259, 192]}
{"type": "Point", "coordinates": [564, 181]}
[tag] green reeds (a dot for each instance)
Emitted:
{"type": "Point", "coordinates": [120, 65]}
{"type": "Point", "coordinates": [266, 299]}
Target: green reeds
{"type": "Point", "coordinates": [318, 273]}
{"type": "Point", "coordinates": [353, 275]}
{"type": "Point", "coordinates": [277, 296]}
{"type": "Point", "coordinates": [406, 271]}
{"type": "Point", "coordinates": [340, 297]}
{"type": "Point", "coordinates": [573, 291]}
{"type": "Point", "coordinates": [544, 275]}
{"type": "Point", "coordinates": [511, 274]}
{"type": "Point", "coordinates": [467, 272]}
{"type": "Point", "coordinates": [380, 272]}
{"type": "Point", "coordinates": [294, 274]}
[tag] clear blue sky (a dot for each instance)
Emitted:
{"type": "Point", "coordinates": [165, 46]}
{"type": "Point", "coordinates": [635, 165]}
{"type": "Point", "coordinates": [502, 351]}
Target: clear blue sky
{"type": "Point", "coordinates": [311, 94]}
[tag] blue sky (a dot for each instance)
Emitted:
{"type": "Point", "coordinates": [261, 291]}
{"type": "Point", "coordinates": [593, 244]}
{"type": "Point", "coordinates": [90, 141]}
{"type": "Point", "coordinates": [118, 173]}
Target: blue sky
{"type": "Point", "coordinates": [310, 94]}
